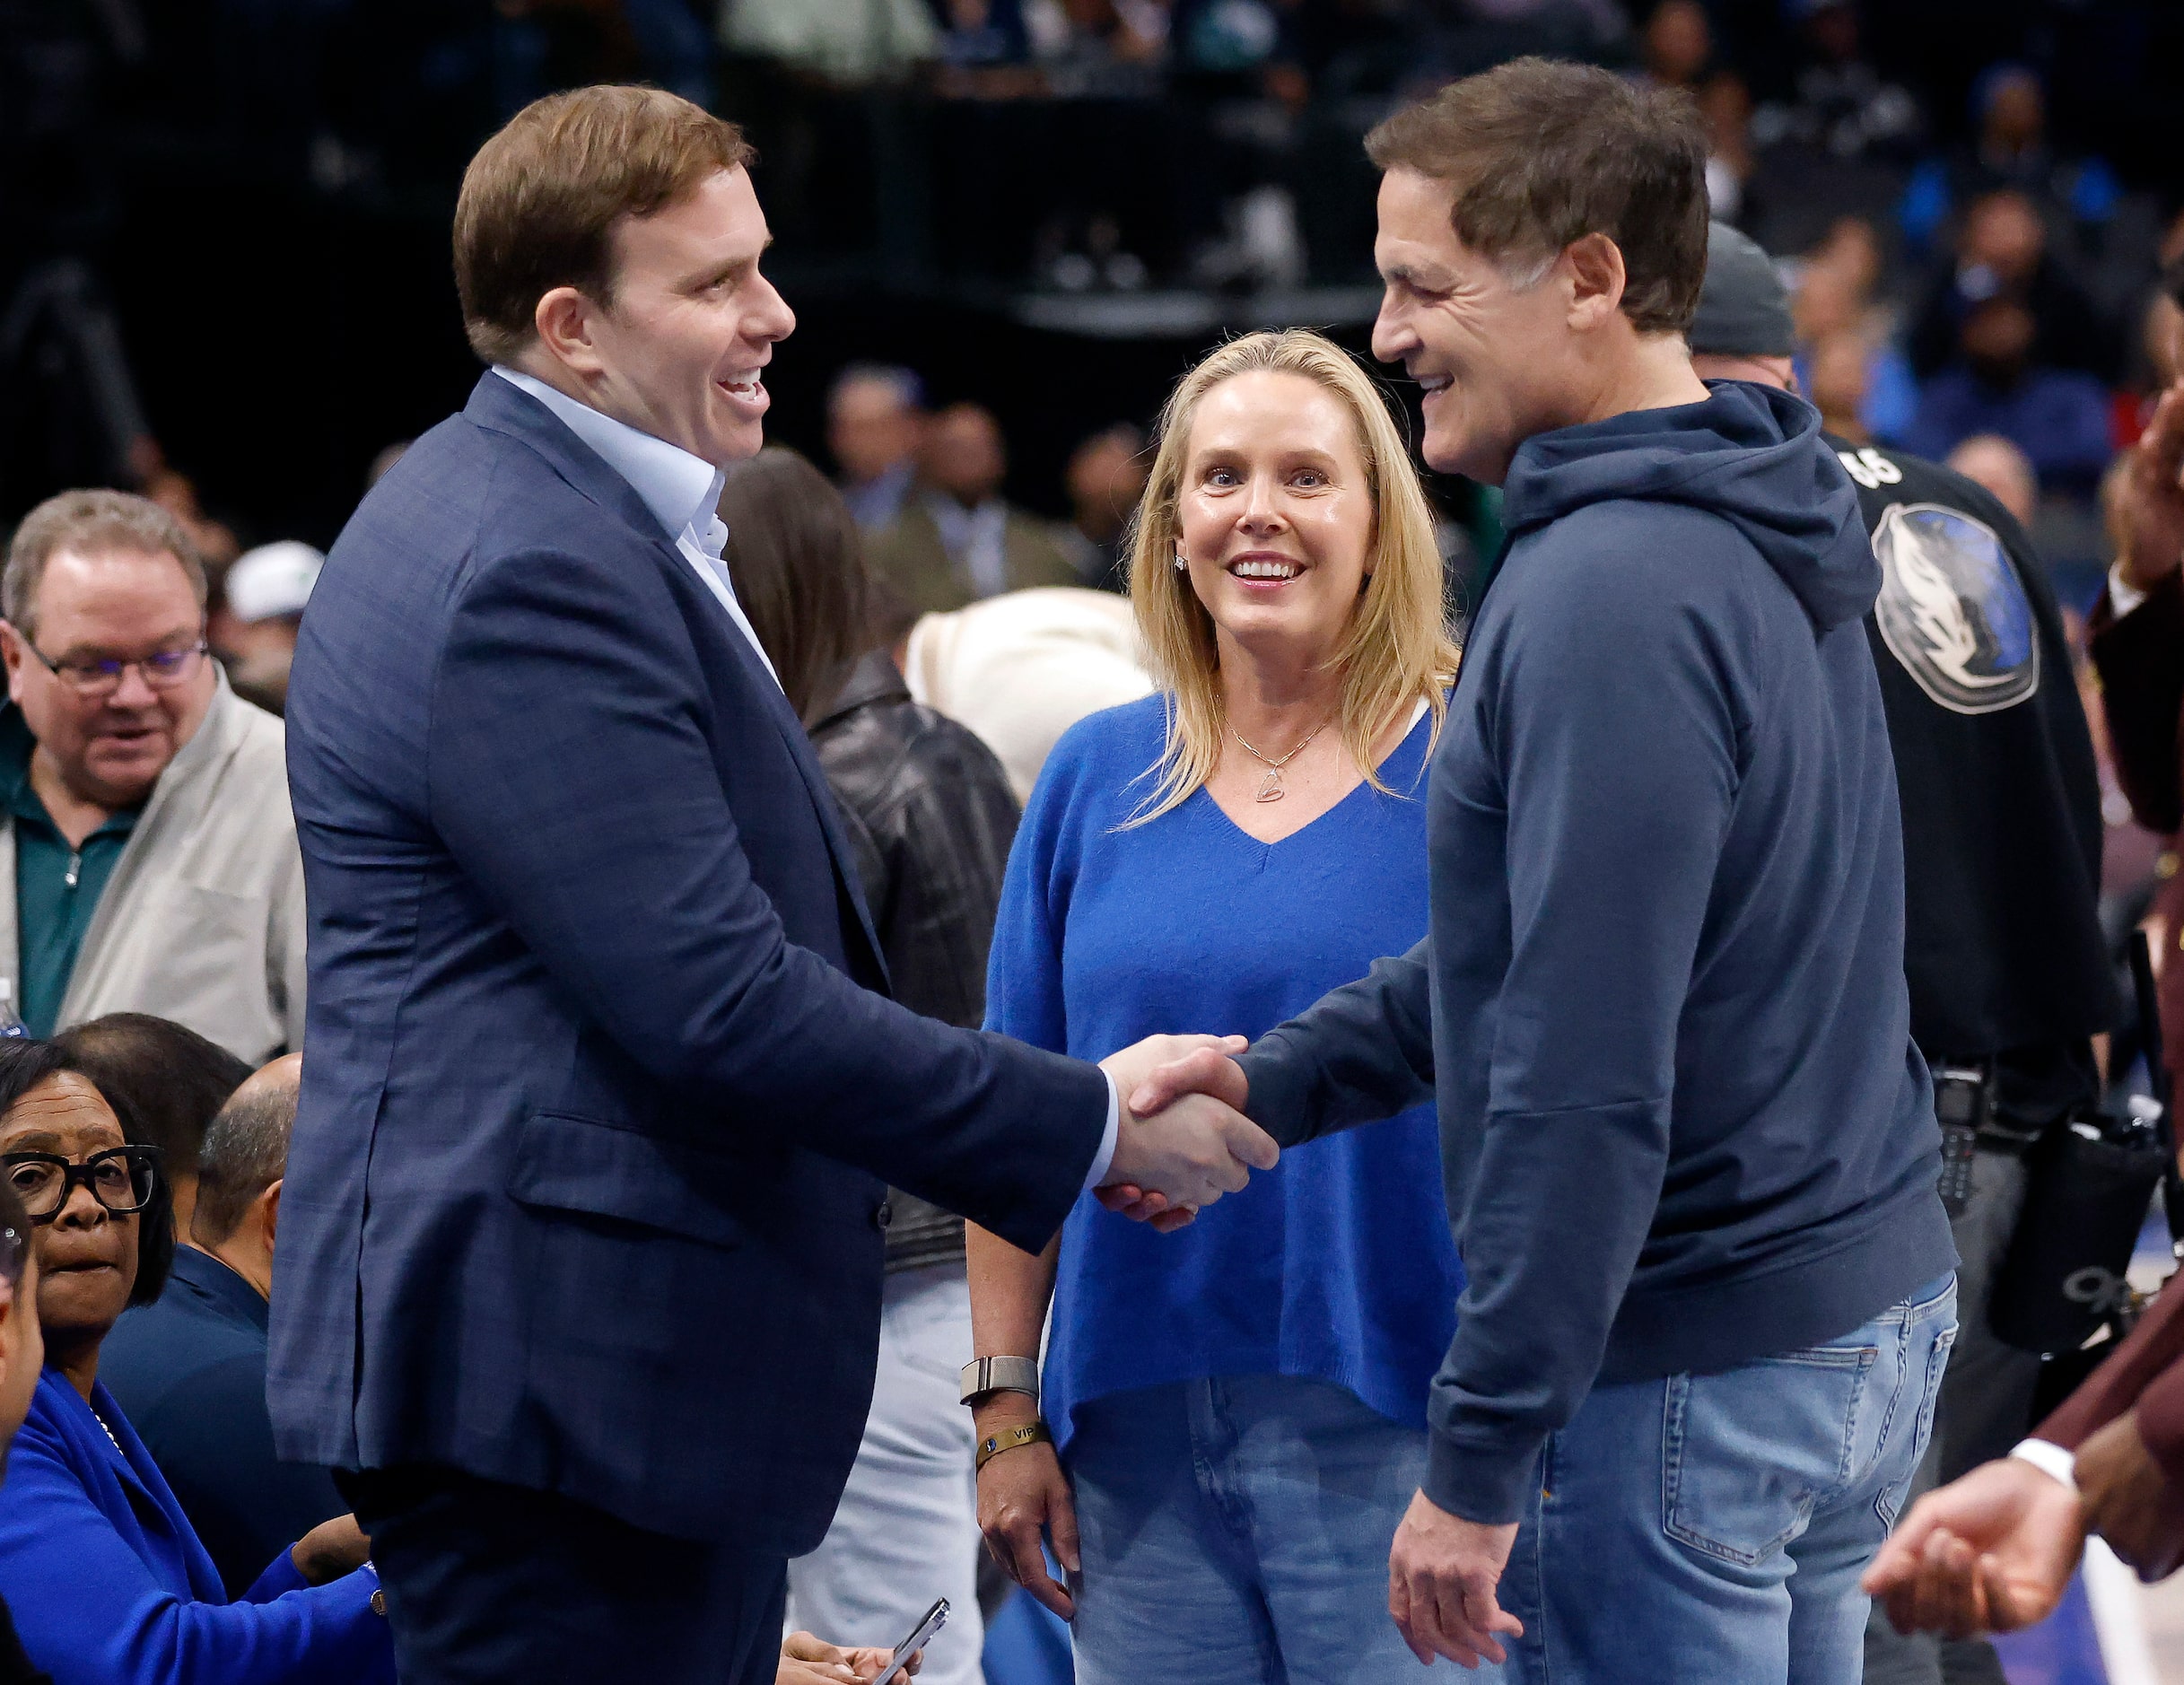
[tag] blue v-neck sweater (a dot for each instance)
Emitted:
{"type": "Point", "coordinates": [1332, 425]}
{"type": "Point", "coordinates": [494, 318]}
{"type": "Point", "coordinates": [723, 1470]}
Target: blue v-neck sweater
{"type": "Point", "coordinates": [1336, 1265]}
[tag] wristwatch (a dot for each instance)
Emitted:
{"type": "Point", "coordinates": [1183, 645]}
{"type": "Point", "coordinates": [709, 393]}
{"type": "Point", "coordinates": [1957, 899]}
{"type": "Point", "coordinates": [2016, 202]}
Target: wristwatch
{"type": "Point", "coordinates": [984, 1376]}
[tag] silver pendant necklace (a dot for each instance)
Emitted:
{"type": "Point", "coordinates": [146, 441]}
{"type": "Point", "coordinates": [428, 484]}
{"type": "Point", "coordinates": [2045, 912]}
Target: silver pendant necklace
{"type": "Point", "coordinates": [1269, 786]}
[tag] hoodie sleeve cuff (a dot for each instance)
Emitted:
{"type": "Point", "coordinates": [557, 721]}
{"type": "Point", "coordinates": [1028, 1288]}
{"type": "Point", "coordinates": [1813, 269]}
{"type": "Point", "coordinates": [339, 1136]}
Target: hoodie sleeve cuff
{"type": "Point", "coordinates": [1487, 1485]}
{"type": "Point", "coordinates": [1280, 1094]}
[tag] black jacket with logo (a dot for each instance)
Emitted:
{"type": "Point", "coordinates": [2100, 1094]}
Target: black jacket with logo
{"type": "Point", "coordinates": [931, 818]}
{"type": "Point", "coordinates": [2001, 802]}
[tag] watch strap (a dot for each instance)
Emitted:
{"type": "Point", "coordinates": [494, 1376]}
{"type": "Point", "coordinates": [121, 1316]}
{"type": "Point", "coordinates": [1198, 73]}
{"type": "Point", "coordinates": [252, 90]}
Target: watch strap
{"type": "Point", "coordinates": [1013, 1438]}
{"type": "Point", "coordinates": [982, 1376]}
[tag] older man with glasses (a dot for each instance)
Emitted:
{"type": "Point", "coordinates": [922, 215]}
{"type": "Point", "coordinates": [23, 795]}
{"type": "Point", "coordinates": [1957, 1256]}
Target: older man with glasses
{"type": "Point", "coordinates": [149, 860]}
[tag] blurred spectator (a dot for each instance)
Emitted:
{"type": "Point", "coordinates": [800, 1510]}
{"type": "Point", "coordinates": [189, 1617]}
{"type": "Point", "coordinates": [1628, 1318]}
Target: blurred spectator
{"type": "Point", "coordinates": [2058, 417]}
{"type": "Point", "coordinates": [254, 629]}
{"type": "Point", "coordinates": [102, 1571]}
{"type": "Point", "coordinates": [1834, 378]}
{"type": "Point", "coordinates": [931, 821]}
{"type": "Point", "coordinates": [1111, 49]}
{"type": "Point", "coordinates": [189, 1370]}
{"type": "Point", "coordinates": [154, 866]}
{"type": "Point", "coordinates": [1676, 46]}
{"type": "Point", "coordinates": [1992, 461]}
{"type": "Point", "coordinates": [388, 457]}
{"type": "Point", "coordinates": [2002, 251]}
{"type": "Point", "coordinates": [875, 414]}
{"type": "Point", "coordinates": [1834, 303]}
{"type": "Point", "coordinates": [1021, 669]}
{"type": "Point", "coordinates": [1105, 476]}
{"type": "Point", "coordinates": [169, 1081]}
{"type": "Point", "coordinates": [985, 50]}
{"type": "Point", "coordinates": [1840, 105]}
{"type": "Point", "coordinates": [176, 494]}
{"type": "Point", "coordinates": [958, 539]}
{"type": "Point", "coordinates": [2010, 150]}
{"type": "Point", "coordinates": [1725, 103]}
{"type": "Point", "coordinates": [846, 42]}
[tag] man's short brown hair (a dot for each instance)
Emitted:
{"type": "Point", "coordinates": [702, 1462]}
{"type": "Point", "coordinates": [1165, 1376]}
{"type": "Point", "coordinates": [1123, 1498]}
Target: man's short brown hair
{"type": "Point", "coordinates": [1539, 154]}
{"type": "Point", "coordinates": [89, 523]}
{"type": "Point", "coordinates": [540, 201]}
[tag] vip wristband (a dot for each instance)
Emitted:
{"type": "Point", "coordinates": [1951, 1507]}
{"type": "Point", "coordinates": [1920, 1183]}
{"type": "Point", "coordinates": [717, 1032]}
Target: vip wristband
{"type": "Point", "coordinates": [1012, 1438]}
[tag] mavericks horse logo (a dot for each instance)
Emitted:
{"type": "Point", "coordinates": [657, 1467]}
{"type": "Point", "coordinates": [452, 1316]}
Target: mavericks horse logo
{"type": "Point", "coordinates": [1953, 609]}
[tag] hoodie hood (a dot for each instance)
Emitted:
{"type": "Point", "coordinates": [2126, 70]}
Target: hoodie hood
{"type": "Point", "coordinates": [1749, 454]}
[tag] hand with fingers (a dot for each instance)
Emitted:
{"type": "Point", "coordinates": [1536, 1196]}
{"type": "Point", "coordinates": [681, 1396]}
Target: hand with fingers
{"type": "Point", "coordinates": [808, 1661]}
{"type": "Point", "coordinates": [1990, 1552]}
{"type": "Point", "coordinates": [1185, 1153]}
{"type": "Point", "coordinates": [1023, 1502]}
{"type": "Point", "coordinates": [1442, 1572]}
{"type": "Point", "coordinates": [1160, 1072]}
{"type": "Point", "coordinates": [2151, 506]}
{"type": "Point", "coordinates": [2128, 1500]}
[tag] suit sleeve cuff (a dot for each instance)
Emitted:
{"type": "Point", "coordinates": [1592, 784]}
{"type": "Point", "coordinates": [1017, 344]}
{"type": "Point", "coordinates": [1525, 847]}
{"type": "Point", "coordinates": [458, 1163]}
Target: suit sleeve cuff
{"type": "Point", "coordinates": [2049, 1458]}
{"type": "Point", "coordinates": [1105, 1156]}
{"type": "Point", "coordinates": [1487, 1485]}
{"type": "Point", "coordinates": [2123, 596]}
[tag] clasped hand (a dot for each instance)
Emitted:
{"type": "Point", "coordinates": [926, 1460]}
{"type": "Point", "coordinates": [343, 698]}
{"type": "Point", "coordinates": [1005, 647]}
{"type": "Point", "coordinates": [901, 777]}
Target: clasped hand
{"type": "Point", "coordinates": [1183, 1139]}
{"type": "Point", "coordinates": [1993, 1552]}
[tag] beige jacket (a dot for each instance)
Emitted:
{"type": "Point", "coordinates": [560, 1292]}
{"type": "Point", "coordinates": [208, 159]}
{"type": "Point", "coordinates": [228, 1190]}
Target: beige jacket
{"type": "Point", "coordinates": [203, 918]}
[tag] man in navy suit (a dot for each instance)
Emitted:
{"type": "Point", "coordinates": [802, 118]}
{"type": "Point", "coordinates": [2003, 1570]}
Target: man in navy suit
{"type": "Point", "coordinates": [580, 1266]}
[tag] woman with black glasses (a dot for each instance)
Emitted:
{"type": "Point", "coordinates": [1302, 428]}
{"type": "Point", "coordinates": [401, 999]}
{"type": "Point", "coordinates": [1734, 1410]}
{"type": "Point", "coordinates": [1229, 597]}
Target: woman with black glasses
{"type": "Point", "coordinates": [108, 1584]}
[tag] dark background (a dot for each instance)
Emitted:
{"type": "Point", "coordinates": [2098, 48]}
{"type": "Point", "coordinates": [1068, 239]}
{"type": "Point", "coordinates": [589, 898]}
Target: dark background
{"type": "Point", "coordinates": [262, 189]}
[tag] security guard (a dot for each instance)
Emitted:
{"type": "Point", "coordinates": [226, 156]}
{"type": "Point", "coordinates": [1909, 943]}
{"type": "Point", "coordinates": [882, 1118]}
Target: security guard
{"type": "Point", "coordinates": [2009, 972]}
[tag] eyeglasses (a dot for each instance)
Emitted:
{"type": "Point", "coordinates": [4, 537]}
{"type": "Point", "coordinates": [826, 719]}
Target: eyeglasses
{"type": "Point", "coordinates": [121, 1179]}
{"type": "Point", "coordinates": [102, 678]}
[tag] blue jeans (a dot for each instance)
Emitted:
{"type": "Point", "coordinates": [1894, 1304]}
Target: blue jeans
{"type": "Point", "coordinates": [1713, 1527]}
{"type": "Point", "coordinates": [1237, 1530]}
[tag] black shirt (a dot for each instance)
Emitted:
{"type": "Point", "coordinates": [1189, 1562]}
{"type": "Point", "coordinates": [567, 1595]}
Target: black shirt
{"type": "Point", "coordinates": [2001, 803]}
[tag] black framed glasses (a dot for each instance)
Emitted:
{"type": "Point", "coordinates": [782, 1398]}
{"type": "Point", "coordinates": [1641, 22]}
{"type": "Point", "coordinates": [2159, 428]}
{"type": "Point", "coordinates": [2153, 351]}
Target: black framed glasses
{"type": "Point", "coordinates": [121, 1178]}
{"type": "Point", "coordinates": [102, 676]}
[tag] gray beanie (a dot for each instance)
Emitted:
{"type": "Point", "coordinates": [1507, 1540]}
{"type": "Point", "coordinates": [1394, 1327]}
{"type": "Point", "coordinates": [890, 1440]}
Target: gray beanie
{"type": "Point", "coordinates": [1744, 309]}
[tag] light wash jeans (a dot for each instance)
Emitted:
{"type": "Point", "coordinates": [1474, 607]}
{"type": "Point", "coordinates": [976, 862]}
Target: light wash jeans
{"type": "Point", "coordinates": [1235, 1531]}
{"type": "Point", "coordinates": [907, 1530]}
{"type": "Point", "coordinates": [1713, 1527]}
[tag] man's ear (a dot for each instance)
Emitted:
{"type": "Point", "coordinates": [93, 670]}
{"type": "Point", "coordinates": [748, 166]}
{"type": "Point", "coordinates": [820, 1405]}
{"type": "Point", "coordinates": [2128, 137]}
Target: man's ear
{"type": "Point", "coordinates": [269, 1212]}
{"type": "Point", "coordinates": [1596, 281]}
{"type": "Point", "coordinates": [563, 321]}
{"type": "Point", "coordinates": [13, 652]}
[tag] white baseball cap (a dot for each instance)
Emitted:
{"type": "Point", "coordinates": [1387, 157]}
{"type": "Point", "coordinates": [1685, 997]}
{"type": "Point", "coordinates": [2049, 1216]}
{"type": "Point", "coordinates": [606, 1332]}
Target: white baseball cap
{"type": "Point", "coordinates": [273, 579]}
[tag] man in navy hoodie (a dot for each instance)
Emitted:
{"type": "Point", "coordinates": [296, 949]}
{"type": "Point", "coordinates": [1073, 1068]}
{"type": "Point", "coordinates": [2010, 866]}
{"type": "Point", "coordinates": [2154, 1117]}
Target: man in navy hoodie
{"type": "Point", "coordinates": [1690, 1146]}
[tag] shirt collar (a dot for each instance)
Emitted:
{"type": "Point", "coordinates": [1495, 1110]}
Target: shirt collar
{"type": "Point", "coordinates": [222, 1286]}
{"type": "Point", "coordinates": [682, 491]}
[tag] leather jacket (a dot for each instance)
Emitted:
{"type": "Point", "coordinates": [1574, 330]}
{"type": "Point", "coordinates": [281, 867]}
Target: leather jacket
{"type": "Point", "coordinates": [931, 818]}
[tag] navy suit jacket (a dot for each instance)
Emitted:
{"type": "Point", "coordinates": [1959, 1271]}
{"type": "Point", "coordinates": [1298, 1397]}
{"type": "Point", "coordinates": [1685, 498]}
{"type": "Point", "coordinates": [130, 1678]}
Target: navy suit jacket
{"type": "Point", "coordinates": [587, 1185]}
{"type": "Point", "coordinates": [189, 1370]}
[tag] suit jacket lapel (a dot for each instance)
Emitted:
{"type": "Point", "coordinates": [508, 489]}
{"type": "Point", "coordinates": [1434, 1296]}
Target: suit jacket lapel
{"type": "Point", "coordinates": [506, 408]}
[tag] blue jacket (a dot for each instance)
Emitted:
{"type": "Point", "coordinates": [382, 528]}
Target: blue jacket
{"type": "Point", "coordinates": [588, 1180]}
{"type": "Point", "coordinates": [110, 1586]}
{"type": "Point", "coordinates": [1682, 1121]}
{"type": "Point", "coordinates": [190, 1371]}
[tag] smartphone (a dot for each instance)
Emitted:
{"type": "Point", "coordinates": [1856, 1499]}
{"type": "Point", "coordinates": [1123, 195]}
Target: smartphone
{"type": "Point", "coordinates": [920, 1637]}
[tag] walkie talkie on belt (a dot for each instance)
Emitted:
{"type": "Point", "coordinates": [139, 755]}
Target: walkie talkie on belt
{"type": "Point", "coordinates": [1963, 1101]}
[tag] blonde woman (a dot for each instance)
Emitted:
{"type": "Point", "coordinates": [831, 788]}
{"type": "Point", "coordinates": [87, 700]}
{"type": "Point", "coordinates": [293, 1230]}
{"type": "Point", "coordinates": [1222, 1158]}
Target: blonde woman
{"type": "Point", "coordinates": [1237, 1410]}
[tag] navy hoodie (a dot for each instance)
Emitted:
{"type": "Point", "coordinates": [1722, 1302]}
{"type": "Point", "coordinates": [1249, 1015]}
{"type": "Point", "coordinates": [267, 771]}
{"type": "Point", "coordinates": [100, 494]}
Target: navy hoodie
{"type": "Point", "coordinates": [1663, 1000]}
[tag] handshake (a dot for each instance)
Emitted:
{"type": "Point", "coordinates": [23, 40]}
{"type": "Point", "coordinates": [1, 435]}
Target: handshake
{"type": "Point", "coordinates": [1183, 1140]}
